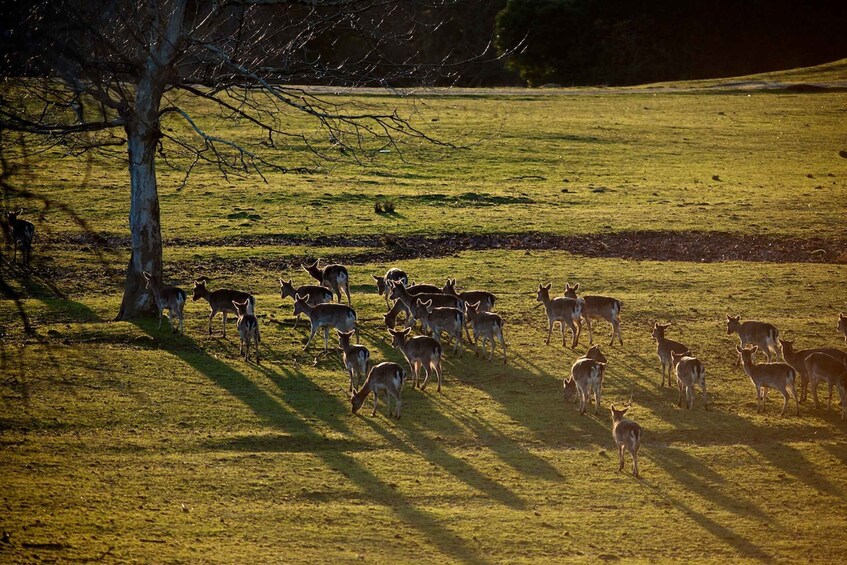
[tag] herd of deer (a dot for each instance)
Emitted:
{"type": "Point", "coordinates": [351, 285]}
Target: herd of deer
{"type": "Point", "coordinates": [445, 310]}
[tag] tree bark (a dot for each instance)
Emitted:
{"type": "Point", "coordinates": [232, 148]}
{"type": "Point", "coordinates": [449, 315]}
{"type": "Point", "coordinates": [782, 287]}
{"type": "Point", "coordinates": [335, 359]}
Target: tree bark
{"type": "Point", "coordinates": [142, 131]}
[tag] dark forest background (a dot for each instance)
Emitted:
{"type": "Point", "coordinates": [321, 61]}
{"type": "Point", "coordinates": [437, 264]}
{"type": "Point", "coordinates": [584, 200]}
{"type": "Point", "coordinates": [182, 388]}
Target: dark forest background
{"type": "Point", "coordinates": [566, 42]}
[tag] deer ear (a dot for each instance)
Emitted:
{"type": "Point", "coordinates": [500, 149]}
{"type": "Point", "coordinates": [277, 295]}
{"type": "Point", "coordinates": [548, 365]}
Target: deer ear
{"type": "Point", "coordinates": [547, 286]}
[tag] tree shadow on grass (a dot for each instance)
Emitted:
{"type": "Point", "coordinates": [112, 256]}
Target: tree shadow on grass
{"type": "Point", "coordinates": [298, 397]}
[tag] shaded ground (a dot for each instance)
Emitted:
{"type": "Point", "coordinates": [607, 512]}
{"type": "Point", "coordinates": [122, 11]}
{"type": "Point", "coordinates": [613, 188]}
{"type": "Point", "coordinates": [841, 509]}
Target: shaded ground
{"type": "Point", "coordinates": [699, 247]}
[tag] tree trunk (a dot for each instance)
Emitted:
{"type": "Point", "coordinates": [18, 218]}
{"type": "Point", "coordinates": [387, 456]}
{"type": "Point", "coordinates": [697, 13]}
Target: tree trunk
{"type": "Point", "coordinates": [142, 131]}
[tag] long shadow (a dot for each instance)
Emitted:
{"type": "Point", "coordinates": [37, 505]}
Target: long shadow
{"type": "Point", "coordinates": [278, 415]}
{"type": "Point", "coordinates": [745, 547]}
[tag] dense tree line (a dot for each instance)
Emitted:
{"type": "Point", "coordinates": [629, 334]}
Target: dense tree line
{"type": "Point", "coordinates": [624, 42]}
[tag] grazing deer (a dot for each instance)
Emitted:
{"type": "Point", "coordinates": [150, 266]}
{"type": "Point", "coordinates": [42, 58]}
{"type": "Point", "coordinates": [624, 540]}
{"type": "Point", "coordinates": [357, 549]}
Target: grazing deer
{"type": "Point", "coordinates": [391, 316]}
{"type": "Point", "coordinates": [21, 232]}
{"type": "Point", "coordinates": [386, 377]}
{"type": "Point", "coordinates": [627, 435]}
{"type": "Point", "coordinates": [170, 297]}
{"type": "Point", "coordinates": [689, 372]}
{"type": "Point", "coordinates": [339, 316]}
{"type": "Point", "coordinates": [832, 370]}
{"type": "Point", "coordinates": [842, 326]}
{"type": "Point", "coordinates": [444, 319]}
{"type": "Point", "coordinates": [562, 310]}
{"type": "Point", "coordinates": [221, 300]}
{"type": "Point", "coordinates": [390, 275]}
{"type": "Point", "coordinates": [599, 308]}
{"type": "Point", "coordinates": [760, 334]}
{"type": "Point", "coordinates": [317, 294]}
{"type": "Point", "coordinates": [797, 359]}
{"type": "Point", "coordinates": [586, 377]}
{"type": "Point", "coordinates": [248, 329]}
{"type": "Point", "coordinates": [355, 357]}
{"type": "Point", "coordinates": [400, 293]}
{"type": "Point", "coordinates": [779, 376]}
{"type": "Point", "coordinates": [664, 348]}
{"type": "Point", "coordinates": [487, 325]}
{"type": "Point", "coordinates": [334, 277]}
{"type": "Point", "coordinates": [420, 351]}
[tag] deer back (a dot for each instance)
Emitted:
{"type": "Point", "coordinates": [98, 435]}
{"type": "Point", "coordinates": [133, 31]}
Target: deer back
{"type": "Point", "coordinates": [339, 316]}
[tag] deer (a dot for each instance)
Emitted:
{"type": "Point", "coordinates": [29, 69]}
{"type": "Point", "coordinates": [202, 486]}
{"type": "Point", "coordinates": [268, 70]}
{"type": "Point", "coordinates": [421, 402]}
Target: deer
{"type": "Point", "coordinates": [386, 377]}
{"type": "Point", "coordinates": [393, 274]}
{"type": "Point", "coordinates": [689, 372]}
{"type": "Point", "coordinates": [487, 325]}
{"type": "Point", "coordinates": [586, 377]}
{"type": "Point", "coordinates": [779, 376]}
{"type": "Point", "coordinates": [420, 352]}
{"type": "Point", "coordinates": [599, 308]}
{"type": "Point", "coordinates": [797, 359]}
{"type": "Point", "coordinates": [248, 329]}
{"type": "Point", "coordinates": [664, 348]}
{"type": "Point", "coordinates": [391, 316]}
{"type": "Point", "coordinates": [221, 300]}
{"type": "Point", "coordinates": [21, 233]}
{"type": "Point", "coordinates": [439, 300]}
{"type": "Point", "coordinates": [317, 294]}
{"type": "Point", "coordinates": [627, 435]}
{"type": "Point", "coordinates": [334, 277]}
{"type": "Point", "coordinates": [562, 310]}
{"type": "Point", "coordinates": [339, 316]}
{"type": "Point", "coordinates": [170, 297]}
{"type": "Point", "coordinates": [419, 288]}
{"type": "Point", "coordinates": [442, 319]}
{"type": "Point", "coordinates": [594, 352]}
{"type": "Point", "coordinates": [832, 370]}
{"type": "Point", "coordinates": [355, 357]}
{"type": "Point", "coordinates": [484, 298]}
{"type": "Point", "coordinates": [760, 334]}
{"type": "Point", "coordinates": [842, 326]}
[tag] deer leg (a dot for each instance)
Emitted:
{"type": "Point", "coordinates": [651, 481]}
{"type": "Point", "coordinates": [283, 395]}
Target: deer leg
{"type": "Point", "coordinates": [590, 332]}
{"type": "Point", "coordinates": [326, 339]}
{"type": "Point", "coordinates": [376, 395]}
{"type": "Point", "coordinates": [308, 341]}
{"type": "Point", "coordinates": [620, 457]}
{"type": "Point", "coordinates": [223, 313]}
{"type": "Point", "coordinates": [437, 368]}
{"type": "Point", "coordinates": [635, 464]}
{"type": "Point", "coordinates": [814, 382]}
{"type": "Point", "coordinates": [784, 401]}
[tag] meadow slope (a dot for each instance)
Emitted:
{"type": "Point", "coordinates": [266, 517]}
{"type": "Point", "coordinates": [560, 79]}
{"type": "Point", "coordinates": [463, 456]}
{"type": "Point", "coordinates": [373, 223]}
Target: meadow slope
{"type": "Point", "coordinates": [123, 443]}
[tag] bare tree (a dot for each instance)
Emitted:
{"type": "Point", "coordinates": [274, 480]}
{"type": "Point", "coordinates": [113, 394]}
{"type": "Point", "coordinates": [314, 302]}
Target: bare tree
{"type": "Point", "coordinates": [103, 76]}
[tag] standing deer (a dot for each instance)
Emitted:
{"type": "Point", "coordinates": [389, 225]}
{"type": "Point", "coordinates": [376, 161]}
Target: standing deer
{"type": "Point", "coordinates": [627, 435]}
{"type": "Point", "coordinates": [779, 376]}
{"type": "Point", "coordinates": [797, 359]}
{"type": "Point", "coordinates": [586, 377]}
{"type": "Point", "coordinates": [689, 372]}
{"type": "Point", "coordinates": [386, 377]}
{"type": "Point", "coordinates": [760, 334]}
{"type": "Point", "coordinates": [248, 329]}
{"type": "Point", "coordinates": [599, 308]}
{"type": "Point", "coordinates": [562, 310]}
{"type": "Point", "coordinates": [170, 297]}
{"type": "Point", "coordinates": [420, 351]}
{"type": "Point", "coordinates": [400, 293]}
{"type": "Point", "coordinates": [334, 277]}
{"type": "Point", "coordinates": [21, 232]}
{"type": "Point", "coordinates": [484, 298]}
{"type": "Point", "coordinates": [317, 294]}
{"type": "Point", "coordinates": [339, 316]}
{"type": "Point", "coordinates": [833, 371]}
{"type": "Point", "coordinates": [393, 275]}
{"type": "Point", "coordinates": [487, 325]}
{"type": "Point", "coordinates": [355, 358]}
{"type": "Point", "coordinates": [842, 326]}
{"type": "Point", "coordinates": [221, 300]}
{"type": "Point", "coordinates": [442, 319]}
{"type": "Point", "coordinates": [664, 348]}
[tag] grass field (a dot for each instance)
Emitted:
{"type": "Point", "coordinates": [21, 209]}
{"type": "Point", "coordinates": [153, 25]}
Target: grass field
{"type": "Point", "coordinates": [123, 443]}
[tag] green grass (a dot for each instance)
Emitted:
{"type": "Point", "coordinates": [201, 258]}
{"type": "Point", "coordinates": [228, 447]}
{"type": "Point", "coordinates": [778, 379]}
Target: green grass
{"type": "Point", "coordinates": [118, 438]}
